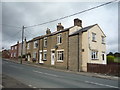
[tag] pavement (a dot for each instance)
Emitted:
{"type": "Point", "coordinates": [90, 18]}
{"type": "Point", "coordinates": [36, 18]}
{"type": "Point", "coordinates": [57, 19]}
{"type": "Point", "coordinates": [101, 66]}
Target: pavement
{"type": "Point", "coordinates": [36, 76]}
{"type": "Point", "coordinates": [9, 82]}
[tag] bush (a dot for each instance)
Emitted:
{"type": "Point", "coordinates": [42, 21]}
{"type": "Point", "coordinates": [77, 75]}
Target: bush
{"type": "Point", "coordinates": [110, 59]}
{"type": "Point", "coordinates": [19, 56]}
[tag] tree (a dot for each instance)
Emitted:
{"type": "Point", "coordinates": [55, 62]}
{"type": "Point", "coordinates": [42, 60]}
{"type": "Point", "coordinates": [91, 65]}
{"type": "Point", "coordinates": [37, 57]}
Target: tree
{"type": "Point", "coordinates": [117, 54]}
{"type": "Point", "coordinates": [110, 53]}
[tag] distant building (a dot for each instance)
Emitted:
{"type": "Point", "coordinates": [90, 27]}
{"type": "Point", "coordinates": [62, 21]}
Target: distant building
{"type": "Point", "coordinates": [14, 51]}
{"type": "Point", "coordinates": [6, 54]}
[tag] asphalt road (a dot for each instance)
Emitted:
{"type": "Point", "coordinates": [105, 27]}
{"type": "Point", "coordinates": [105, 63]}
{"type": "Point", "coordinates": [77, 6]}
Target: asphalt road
{"type": "Point", "coordinates": [37, 77]}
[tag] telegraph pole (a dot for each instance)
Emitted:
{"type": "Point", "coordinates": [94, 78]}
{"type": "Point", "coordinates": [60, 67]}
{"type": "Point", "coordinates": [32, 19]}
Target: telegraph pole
{"type": "Point", "coordinates": [22, 43]}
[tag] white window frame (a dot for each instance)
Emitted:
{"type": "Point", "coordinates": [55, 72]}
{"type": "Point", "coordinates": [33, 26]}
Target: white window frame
{"type": "Point", "coordinates": [28, 46]}
{"type": "Point", "coordinates": [103, 40]}
{"type": "Point", "coordinates": [35, 42]}
{"type": "Point", "coordinates": [59, 38]}
{"type": "Point", "coordinates": [93, 36]}
{"type": "Point", "coordinates": [59, 55]}
{"type": "Point", "coordinates": [11, 54]}
{"type": "Point", "coordinates": [34, 55]}
{"type": "Point", "coordinates": [103, 54]}
{"type": "Point", "coordinates": [14, 54]}
{"type": "Point", "coordinates": [94, 55]}
{"type": "Point", "coordinates": [15, 47]}
{"type": "Point", "coordinates": [44, 53]}
{"type": "Point", "coordinates": [45, 42]}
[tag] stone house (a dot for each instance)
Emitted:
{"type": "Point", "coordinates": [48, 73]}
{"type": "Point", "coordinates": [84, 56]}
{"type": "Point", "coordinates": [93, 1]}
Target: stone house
{"type": "Point", "coordinates": [71, 48]}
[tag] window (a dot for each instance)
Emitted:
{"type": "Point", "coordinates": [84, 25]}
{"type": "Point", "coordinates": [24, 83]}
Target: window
{"type": "Point", "coordinates": [14, 54]}
{"type": "Point", "coordinates": [45, 55]}
{"type": "Point", "coordinates": [35, 44]}
{"type": "Point", "coordinates": [11, 54]}
{"type": "Point", "coordinates": [15, 47]}
{"type": "Point", "coordinates": [103, 40]}
{"type": "Point", "coordinates": [94, 54]}
{"type": "Point", "coordinates": [45, 42]}
{"type": "Point", "coordinates": [93, 36]}
{"type": "Point", "coordinates": [59, 39]}
{"type": "Point", "coordinates": [28, 46]}
{"type": "Point", "coordinates": [60, 56]}
{"type": "Point", "coordinates": [12, 48]}
{"type": "Point", "coordinates": [34, 55]}
{"type": "Point", "coordinates": [103, 56]}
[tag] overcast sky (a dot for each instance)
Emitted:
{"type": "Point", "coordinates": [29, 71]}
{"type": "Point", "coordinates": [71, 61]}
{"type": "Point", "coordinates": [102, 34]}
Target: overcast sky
{"type": "Point", "coordinates": [30, 13]}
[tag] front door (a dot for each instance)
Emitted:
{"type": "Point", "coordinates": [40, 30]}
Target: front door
{"type": "Point", "coordinates": [52, 57]}
{"type": "Point", "coordinates": [28, 57]}
{"type": "Point", "coordinates": [40, 57]}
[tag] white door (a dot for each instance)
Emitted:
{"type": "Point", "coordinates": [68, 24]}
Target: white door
{"type": "Point", "coordinates": [40, 57]}
{"type": "Point", "coordinates": [28, 57]}
{"type": "Point", "coordinates": [53, 58]}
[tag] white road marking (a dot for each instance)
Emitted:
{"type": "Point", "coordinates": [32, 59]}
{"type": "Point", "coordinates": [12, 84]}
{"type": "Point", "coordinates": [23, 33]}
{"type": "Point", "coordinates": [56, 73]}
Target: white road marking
{"type": "Point", "coordinates": [30, 85]}
{"type": "Point", "coordinates": [34, 87]}
{"type": "Point", "coordinates": [46, 73]}
{"type": "Point", "coordinates": [101, 84]}
{"type": "Point", "coordinates": [16, 67]}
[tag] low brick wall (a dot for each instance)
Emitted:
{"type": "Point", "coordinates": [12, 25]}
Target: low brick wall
{"type": "Point", "coordinates": [110, 69]}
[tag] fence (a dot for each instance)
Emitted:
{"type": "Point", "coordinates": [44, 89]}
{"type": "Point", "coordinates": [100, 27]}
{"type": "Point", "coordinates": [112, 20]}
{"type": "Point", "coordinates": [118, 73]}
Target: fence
{"type": "Point", "coordinates": [110, 69]}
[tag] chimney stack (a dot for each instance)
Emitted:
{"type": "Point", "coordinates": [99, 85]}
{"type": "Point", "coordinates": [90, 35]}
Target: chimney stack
{"type": "Point", "coordinates": [59, 27]}
{"type": "Point", "coordinates": [48, 31]}
{"type": "Point", "coordinates": [77, 22]}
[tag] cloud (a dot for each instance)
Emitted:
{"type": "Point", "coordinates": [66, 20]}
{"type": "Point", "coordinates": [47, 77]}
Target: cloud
{"type": "Point", "coordinates": [31, 13]}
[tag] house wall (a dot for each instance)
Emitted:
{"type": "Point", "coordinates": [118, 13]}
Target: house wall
{"type": "Point", "coordinates": [73, 53]}
{"type": "Point", "coordinates": [30, 50]}
{"type": "Point", "coordinates": [35, 50]}
{"type": "Point", "coordinates": [62, 46]}
{"type": "Point", "coordinates": [5, 54]}
{"type": "Point", "coordinates": [14, 51]}
{"type": "Point", "coordinates": [88, 45]}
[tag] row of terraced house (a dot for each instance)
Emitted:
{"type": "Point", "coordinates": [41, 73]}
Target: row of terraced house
{"type": "Point", "coordinates": [70, 48]}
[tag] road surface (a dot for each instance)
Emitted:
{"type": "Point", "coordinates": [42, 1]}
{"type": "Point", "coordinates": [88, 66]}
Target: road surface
{"type": "Point", "coordinates": [37, 77]}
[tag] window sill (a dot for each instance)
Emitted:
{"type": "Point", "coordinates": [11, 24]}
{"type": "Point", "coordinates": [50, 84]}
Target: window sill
{"type": "Point", "coordinates": [45, 46]}
{"type": "Point", "coordinates": [59, 43]}
{"type": "Point", "coordinates": [94, 41]}
{"type": "Point", "coordinates": [103, 43]}
{"type": "Point", "coordinates": [60, 61]}
{"type": "Point", "coordinates": [44, 60]}
{"type": "Point", "coordinates": [95, 59]}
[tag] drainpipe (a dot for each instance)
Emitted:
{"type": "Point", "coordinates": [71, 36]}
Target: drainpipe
{"type": "Point", "coordinates": [38, 49]}
{"type": "Point", "coordinates": [78, 52]}
{"type": "Point", "coordinates": [68, 53]}
{"type": "Point", "coordinates": [42, 47]}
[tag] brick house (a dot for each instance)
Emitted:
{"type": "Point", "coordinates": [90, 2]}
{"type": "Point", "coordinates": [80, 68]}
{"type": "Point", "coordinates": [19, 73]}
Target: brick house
{"type": "Point", "coordinates": [71, 48]}
{"type": "Point", "coordinates": [14, 51]}
{"type": "Point", "coordinates": [5, 53]}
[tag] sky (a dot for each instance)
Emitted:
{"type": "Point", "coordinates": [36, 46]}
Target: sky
{"type": "Point", "coordinates": [18, 14]}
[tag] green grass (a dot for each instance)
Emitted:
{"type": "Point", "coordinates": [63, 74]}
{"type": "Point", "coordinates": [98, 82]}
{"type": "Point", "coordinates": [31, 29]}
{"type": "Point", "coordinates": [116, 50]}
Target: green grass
{"type": "Point", "coordinates": [117, 59]}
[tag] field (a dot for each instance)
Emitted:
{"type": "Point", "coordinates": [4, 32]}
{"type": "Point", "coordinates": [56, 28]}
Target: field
{"type": "Point", "coordinates": [117, 59]}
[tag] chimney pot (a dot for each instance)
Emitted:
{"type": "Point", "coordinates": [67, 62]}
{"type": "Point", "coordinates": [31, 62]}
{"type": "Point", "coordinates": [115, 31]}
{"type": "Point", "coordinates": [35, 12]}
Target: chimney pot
{"type": "Point", "coordinates": [59, 27]}
{"type": "Point", "coordinates": [48, 31]}
{"type": "Point", "coordinates": [77, 22]}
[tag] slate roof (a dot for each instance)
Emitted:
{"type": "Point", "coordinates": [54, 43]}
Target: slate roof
{"type": "Point", "coordinates": [82, 30]}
